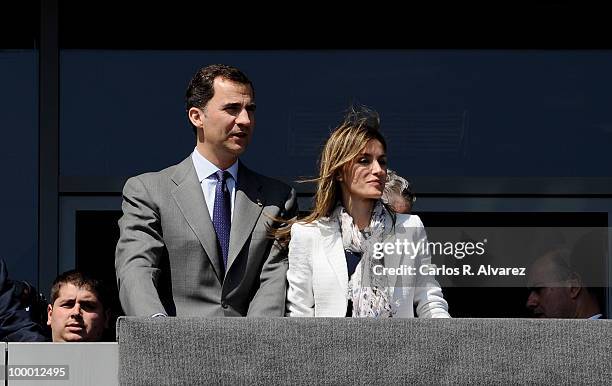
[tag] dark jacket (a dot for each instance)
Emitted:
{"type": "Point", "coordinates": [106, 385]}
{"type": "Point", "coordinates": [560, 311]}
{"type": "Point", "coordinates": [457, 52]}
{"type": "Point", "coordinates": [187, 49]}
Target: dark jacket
{"type": "Point", "coordinates": [16, 325]}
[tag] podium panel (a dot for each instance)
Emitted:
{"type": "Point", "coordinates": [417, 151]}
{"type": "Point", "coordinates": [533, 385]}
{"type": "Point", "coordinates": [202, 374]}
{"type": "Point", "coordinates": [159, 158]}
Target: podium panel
{"type": "Point", "coordinates": [306, 351]}
{"type": "Point", "coordinates": [63, 364]}
{"type": "Point", "coordinates": [3, 360]}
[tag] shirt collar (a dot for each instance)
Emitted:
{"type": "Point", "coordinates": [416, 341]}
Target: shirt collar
{"type": "Point", "coordinates": [204, 168]}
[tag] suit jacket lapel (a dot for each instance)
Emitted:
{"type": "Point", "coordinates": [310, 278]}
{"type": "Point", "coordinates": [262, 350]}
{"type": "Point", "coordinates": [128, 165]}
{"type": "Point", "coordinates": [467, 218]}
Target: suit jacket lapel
{"type": "Point", "coordinates": [190, 200]}
{"type": "Point", "coordinates": [248, 205]}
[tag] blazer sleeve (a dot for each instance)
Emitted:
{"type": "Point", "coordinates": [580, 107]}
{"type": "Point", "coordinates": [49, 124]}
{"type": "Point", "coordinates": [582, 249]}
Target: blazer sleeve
{"type": "Point", "coordinates": [300, 296]}
{"type": "Point", "coordinates": [428, 297]}
{"type": "Point", "coordinates": [139, 251]}
{"type": "Point", "coordinates": [269, 300]}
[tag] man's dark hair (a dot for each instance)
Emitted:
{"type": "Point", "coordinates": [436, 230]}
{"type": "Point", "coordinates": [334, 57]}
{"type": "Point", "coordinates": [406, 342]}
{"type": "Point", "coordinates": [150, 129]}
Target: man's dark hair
{"type": "Point", "coordinates": [201, 87]}
{"type": "Point", "coordinates": [81, 280]}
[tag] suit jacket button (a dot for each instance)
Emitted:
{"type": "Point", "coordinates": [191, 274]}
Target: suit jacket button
{"type": "Point", "coordinates": [224, 304]}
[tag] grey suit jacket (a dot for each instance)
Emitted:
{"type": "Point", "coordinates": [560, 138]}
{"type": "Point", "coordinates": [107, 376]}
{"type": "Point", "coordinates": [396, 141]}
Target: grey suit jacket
{"type": "Point", "coordinates": [167, 259]}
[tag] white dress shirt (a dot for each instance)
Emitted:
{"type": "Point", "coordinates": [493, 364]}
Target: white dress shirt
{"type": "Point", "coordinates": [205, 171]}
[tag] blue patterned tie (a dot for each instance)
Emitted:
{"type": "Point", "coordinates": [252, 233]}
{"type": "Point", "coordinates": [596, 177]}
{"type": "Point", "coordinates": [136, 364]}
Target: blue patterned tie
{"type": "Point", "coordinates": [222, 214]}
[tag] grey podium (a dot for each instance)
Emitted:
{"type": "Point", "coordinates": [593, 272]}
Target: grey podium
{"type": "Point", "coordinates": [62, 364]}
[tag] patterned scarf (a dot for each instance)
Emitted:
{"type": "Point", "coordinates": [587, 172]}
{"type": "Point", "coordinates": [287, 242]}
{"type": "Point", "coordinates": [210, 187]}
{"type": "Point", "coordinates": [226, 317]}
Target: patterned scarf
{"type": "Point", "coordinates": [371, 294]}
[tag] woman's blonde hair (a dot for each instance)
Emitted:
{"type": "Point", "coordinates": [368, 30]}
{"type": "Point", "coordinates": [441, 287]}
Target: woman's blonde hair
{"type": "Point", "coordinates": [345, 143]}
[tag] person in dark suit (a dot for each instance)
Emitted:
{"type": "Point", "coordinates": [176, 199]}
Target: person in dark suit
{"type": "Point", "coordinates": [16, 325]}
{"type": "Point", "coordinates": [556, 290]}
{"type": "Point", "coordinates": [194, 237]}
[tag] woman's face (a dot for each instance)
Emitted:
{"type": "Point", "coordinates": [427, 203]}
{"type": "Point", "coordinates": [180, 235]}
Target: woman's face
{"type": "Point", "coordinates": [364, 177]}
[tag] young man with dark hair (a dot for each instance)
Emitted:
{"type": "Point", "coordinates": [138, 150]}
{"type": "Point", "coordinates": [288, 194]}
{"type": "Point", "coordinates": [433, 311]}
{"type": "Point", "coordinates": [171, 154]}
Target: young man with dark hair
{"type": "Point", "coordinates": [79, 310]}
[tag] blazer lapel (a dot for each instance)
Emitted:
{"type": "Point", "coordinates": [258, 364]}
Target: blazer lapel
{"type": "Point", "coordinates": [332, 247]}
{"type": "Point", "coordinates": [190, 200]}
{"type": "Point", "coordinates": [392, 260]}
{"type": "Point", "coordinates": [334, 251]}
{"type": "Point", "coordinates": [248, 205]}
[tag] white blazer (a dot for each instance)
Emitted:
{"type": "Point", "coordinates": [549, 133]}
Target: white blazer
{"type": "Point", "coordinates": [318, 275]}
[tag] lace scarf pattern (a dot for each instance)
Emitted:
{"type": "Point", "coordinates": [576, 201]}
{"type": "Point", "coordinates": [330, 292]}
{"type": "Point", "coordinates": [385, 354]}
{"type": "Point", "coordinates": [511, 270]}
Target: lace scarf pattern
{"type": "Point", "coordinates": [370, 293]}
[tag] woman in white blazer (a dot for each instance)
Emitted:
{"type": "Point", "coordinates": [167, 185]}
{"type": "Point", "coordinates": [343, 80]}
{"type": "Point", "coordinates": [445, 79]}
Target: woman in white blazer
{"type": "Point", "coordinates": [338, 264]}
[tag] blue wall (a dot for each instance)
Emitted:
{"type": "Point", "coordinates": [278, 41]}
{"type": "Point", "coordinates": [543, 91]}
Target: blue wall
{"type": "Point", "coordinates": [19, 163]}
{"type": "Point", "coordinates": [446, 113]}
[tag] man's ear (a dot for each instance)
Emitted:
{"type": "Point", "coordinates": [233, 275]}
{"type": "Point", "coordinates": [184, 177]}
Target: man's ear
{"type": "Point", "coordinates": [49, 314]}
{"type": "Point", "coordinates": [196, 116]}
{"type": "Point", "coordinates": [575, 286]}
{"type": "Point", "coordinates": [574, 291]}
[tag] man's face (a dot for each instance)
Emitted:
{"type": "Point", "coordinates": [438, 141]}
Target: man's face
{"type": "Point", "coordinates": [549, 297]}
{"type": "Point", "coordinates": [76, 315]}
{"type": "Point", "coordinates": [227, 121]}
{"type": "Point", "coordinates": [550, 302]}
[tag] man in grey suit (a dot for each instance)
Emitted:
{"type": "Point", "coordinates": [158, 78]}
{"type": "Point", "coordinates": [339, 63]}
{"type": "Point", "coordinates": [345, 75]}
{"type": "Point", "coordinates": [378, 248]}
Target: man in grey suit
{"type": "Point", "coordinates": [194, 238]}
